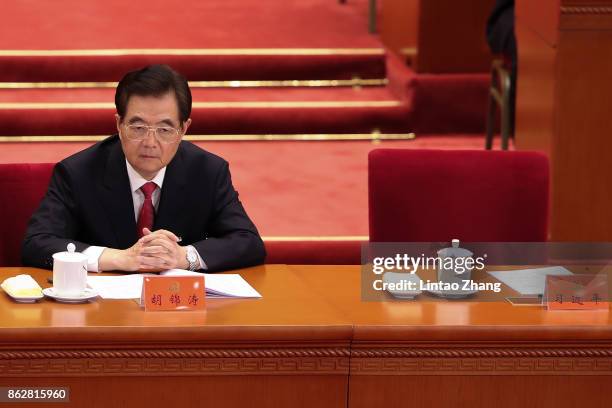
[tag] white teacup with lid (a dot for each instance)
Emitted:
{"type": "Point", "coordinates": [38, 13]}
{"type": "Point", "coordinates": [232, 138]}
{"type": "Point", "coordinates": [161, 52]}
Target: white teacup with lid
{"type": "Point", "coordinates": [459, 271]}
{"type": "Point", "coordinates": [69, 272]}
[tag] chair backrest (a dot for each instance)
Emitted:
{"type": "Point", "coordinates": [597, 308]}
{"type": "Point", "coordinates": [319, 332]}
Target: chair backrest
{"type": "Point", "coordinates": [475, 196]}
{"type": "Point", "coordinates": [313, 252]}
{"type": "Point", "coordinates": [22, 186]}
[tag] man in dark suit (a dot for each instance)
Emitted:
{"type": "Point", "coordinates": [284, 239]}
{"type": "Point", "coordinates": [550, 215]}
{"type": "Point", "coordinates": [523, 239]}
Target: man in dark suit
{"type": "Point", "coordinates": [144, 199]}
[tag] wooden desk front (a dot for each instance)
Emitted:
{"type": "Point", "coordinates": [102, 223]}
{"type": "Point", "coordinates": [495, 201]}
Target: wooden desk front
{"type": "Point", "coordinates": [294, 348]}
{"type": "Point", "coordinates": [449, 353]}
{"type": "Point", "coordinates": [288, 349]}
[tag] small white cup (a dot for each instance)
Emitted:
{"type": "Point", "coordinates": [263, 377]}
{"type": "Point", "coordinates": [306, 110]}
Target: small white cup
{"type": "Point", "coordinates": [69, 272]}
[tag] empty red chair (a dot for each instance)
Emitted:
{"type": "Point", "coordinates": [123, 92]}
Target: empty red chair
{"type": "Point", "coordinates": [475, 196]}
{"type": "Point", "coordinates": [22, 186]}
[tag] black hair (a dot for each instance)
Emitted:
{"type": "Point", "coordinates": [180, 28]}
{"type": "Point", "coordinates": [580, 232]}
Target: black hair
{"type": "Point", "coordinates": [154, 80]}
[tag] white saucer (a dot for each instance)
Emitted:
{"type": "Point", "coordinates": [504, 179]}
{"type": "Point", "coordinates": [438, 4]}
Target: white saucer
{"type": "Point", "coordinates": [404, 294]}
{"type": "Point", "coordinates": [24, 299]}
{"type": "Point", "coordinates": [85, 296]}
{"type": "Point", "coordinates": [453, 294]}
{"type": "Point", "coordinates": [395, 277]}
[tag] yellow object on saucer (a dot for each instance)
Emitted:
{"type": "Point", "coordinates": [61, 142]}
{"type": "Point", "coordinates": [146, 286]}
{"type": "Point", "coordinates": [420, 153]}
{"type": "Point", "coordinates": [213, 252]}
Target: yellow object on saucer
{"type": "Point", "coordinates": [22, 286]}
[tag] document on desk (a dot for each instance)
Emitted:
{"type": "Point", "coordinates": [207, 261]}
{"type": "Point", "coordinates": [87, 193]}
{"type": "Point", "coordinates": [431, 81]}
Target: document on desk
{"type": "Point", "coordinates": [528, 281]}
{"type": "Point", "coordinates": [130, 286]}
{"type": "Point", "coordinates": [117, 287]}
{"type": "Point", "coordinates": [220, 285]}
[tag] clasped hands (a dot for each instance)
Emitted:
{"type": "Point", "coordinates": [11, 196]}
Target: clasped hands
{"type": "Point", "coordinates": [155, 251]}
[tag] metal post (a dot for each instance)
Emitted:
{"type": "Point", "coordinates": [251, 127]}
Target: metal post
{"type": "Point", "coordinates": [373, 12]}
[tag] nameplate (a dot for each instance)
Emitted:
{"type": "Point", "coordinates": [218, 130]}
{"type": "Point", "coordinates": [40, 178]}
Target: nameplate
{"type": "Point", "coordinates": [160, 293]}
{"type": "Point", "coordinates": [576, 292]}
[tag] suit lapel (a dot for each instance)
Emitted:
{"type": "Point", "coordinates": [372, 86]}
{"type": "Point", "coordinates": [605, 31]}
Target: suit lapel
{"type": "Point", "coordinates": [170, 215]}
{"type": "Point", "coordinates": [117, 198]}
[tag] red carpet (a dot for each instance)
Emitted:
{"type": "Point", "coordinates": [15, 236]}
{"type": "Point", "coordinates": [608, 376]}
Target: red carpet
{"type": "Point", "coordinates": [445, 103]}
{"type": "Point", "coordinates": [440, 103]}
{"type": "Point", "coordinates": [215, 67]}
{"type": "Point", "coordinates": [95, 24]}
{"type": "Point", "coordinates": [196, 25]}
{"type": "Point", "coordinates": [322, 39]}
{"type": "Point", "coordinates": [370, 93]}
{"type": "Point", "coordinates": [289, 188]}
{"type": "Point", "coordinates": [216, 111]}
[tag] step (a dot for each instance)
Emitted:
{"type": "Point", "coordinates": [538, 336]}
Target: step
{"type": "Point", "coordinates": [204, 40]}
{"type": "Point", "coordinates": [194, 64]}
{"type": "Point", "coordinates": [449, 103]}
{"type": "Point", "coordinates": [48, 112]}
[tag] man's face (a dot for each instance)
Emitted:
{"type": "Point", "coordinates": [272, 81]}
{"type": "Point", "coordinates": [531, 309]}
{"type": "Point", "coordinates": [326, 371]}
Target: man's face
{"type": "Point", "coordinates": [149, 155]}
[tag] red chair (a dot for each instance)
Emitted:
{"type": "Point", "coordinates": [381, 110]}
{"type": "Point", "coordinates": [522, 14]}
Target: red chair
{"type": "Point", "coordinates": [475, 196]}
{"type": "Point", "coordinates": [22, 186]}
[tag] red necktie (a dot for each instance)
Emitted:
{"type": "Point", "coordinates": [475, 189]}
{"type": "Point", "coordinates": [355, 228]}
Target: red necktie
{"type": "Point", "coordinates": [147, 212]}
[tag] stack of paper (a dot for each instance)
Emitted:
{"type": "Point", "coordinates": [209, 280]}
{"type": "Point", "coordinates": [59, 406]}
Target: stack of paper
{"type": "Point", "coordinates": [130, 286]}
{"type": "Point", "coordinates": [529, 281]}
{"type": "Point", "coordinates": [117, 287]}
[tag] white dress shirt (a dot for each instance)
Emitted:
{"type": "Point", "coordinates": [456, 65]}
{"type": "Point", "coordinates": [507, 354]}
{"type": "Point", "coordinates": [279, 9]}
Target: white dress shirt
{"type": "Point", "coordinates": [136, 181]}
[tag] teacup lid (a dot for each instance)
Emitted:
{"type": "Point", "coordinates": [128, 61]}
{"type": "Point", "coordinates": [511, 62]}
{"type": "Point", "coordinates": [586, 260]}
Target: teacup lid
{"type": "Point", "coordinates": [454, 251]}
{"type": "Point", "coordinates": [69, 255]}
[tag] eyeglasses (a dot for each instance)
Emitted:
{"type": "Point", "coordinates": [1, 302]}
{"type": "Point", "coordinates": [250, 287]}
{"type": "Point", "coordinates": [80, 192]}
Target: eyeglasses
{"type": "Point", "coordinates": [165, 134]}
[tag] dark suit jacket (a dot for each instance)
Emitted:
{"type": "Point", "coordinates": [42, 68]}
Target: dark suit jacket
{"type": "Point", "coordinates": [89, 202]}
{"type": "Point", "coordinates": [500, 29]}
